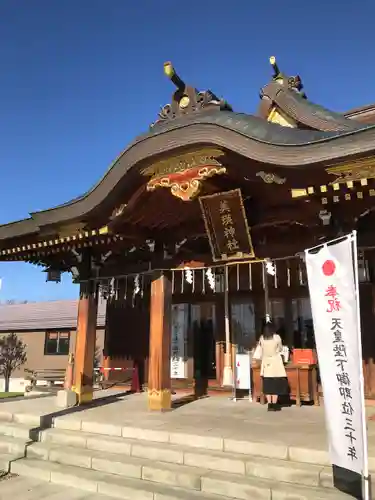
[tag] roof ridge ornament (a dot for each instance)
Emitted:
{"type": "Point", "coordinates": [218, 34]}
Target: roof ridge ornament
{"type": "Point", "coordinates": [275, 67]}
{"type": "Point", "coordinates": [170, 72]}
{"type": "Point", "coordinates": [291, 82]}
{"type": "Point", "coordinates": [187, 99]}
{"type": "Point", "coordinates": [277, 104]}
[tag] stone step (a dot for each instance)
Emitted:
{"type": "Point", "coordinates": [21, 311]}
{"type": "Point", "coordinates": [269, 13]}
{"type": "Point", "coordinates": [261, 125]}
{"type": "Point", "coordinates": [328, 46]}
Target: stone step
{"type": "Point", "coordinates": [16, 430]}
{"type": "Point", "coordinates": [188, 471]}
{"type": "Point", "coordinates": [149, 438]}
{"type": "Point", "coordinates": [215, 486]}
{"type": "Point", "coordinates": [265, 468]}
{"type": "Point", "coordinates": [206, 442]}
{"type": "Point", "coordinates": [111, 485]}
{"type": "Point", "coordinates": [13, 445]}
{"type": "Point", "coordinates": [5, 460]}
{"type": "Point", "coordinates": [25, 488]}
{"type": "Point", "coordinates": [182, 476]}
{"type": "Point", "coordinates": [22, 418]}
{"type": "Point", "coordinates": [239, 487]}
{"type": "Point", "coordinates": [269, 449]}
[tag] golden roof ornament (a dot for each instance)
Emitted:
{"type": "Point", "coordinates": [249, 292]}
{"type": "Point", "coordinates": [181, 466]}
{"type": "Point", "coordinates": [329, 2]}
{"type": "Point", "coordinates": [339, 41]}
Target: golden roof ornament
{"type": "Point", "coordinates": [170, 72]}
{"type": "Point", "coordinates": [187, 99]}
{"type": "Point", "coordinates": [292, 82]}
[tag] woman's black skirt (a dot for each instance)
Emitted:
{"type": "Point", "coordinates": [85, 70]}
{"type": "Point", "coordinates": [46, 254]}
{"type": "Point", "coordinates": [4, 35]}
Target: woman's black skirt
{"type": "Point", "coordinates": [275, 386]}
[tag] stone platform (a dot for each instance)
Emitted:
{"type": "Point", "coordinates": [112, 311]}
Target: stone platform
{"type": "Point", "coordinates": [209, 449]}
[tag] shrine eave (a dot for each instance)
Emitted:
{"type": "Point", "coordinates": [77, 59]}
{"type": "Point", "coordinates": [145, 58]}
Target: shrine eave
{"type": "Point", "coordinates": [252, 137]}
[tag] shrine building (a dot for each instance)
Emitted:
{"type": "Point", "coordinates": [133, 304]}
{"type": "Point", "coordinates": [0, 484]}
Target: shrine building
{"type": "Point", "coordinates": [198, 230]}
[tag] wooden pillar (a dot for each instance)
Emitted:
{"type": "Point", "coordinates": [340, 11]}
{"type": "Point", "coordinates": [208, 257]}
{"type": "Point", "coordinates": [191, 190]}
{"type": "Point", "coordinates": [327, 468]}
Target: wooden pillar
{"type": "Point", "coordinates": [85, 342]}
{"type": "Point", "coordinates": [159, 377]}
{"type": "Point", "coordinates": [220, 339]}
{"type": "Point", "coordinates": [228, 359]}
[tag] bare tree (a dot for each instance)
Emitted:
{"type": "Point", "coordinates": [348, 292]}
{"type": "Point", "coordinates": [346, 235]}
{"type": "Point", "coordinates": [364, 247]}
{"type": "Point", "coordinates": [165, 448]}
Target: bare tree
{"type": "Point", "coordinates": [12, 356]}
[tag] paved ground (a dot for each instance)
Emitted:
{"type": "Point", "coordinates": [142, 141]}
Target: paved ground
{"type": "Point", "coordinates": [29, 489]}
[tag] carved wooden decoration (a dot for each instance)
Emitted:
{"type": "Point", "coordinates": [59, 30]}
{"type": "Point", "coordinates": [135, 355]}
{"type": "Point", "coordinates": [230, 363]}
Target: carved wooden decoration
{"type": "Point", "coordinates": [184, 174]}
{"type": "Point", "coordinates": [353, 171]}
{"type": "Point", "coordinates": [187, 99]}
{"type": "Point", "coordinates": [270, 178]}
{"type": "Point", "coordinates": [118, 211]}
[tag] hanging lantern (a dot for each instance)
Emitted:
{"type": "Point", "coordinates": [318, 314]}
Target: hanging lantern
{"type": "Point", "coordinates": [53, 275]}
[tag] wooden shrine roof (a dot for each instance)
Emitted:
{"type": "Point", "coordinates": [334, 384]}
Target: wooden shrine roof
{"type": "Point", "coordinates": [247, 135]}
{"type": "Point", "coordinates": [291, 136]}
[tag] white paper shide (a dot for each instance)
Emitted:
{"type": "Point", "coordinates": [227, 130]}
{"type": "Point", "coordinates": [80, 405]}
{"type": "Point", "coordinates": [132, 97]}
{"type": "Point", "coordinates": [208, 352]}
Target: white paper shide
{"type": "Point", "coordinates": [332, 287]}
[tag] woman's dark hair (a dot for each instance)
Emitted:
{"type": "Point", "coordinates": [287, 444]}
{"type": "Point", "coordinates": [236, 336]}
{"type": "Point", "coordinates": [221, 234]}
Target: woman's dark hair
{"type": "Point", "coordinates": [268, 330]}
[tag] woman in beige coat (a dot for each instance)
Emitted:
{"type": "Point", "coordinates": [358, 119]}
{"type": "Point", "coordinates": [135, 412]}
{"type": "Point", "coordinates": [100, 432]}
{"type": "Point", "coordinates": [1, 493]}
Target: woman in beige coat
{"type": "Point", "coordinates": [275, 382]}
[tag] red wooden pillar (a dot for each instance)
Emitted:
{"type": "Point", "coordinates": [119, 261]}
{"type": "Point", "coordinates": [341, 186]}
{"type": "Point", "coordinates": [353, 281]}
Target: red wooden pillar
{"type": "Point", "coordinates": [85, 342]}
{"type": "Point", "coordinates": [159, 378]}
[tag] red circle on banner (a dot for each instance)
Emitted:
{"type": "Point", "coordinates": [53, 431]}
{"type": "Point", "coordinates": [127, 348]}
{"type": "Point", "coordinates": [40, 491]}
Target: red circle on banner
{"type": "Point", "coordinates": [328, 268]}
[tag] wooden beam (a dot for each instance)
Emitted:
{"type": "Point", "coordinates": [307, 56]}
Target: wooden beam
{"type": "Point", "coordinates": [85, 342]}
{"type": "Point", "coordinates": [159, 377]}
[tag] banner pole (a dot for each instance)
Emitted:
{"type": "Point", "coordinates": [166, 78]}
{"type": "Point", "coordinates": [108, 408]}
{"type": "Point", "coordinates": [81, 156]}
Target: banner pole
{"type": "Point", "coordinates": [267, 308]}
{"type": "Point", "coordinates": [366, 479]}
{"type": "Point", "coordinates": [251, 378]}
{"type": "Point", "coordinates": [234, 368]}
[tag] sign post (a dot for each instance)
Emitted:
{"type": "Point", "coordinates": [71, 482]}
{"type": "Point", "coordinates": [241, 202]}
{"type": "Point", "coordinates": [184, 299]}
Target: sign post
{"type": "Point", "coordinates": [178, 340]}
{"type": "Point", "coordinates": [332, 271]}
{"type": "Point", "coordinates": [242, 374]}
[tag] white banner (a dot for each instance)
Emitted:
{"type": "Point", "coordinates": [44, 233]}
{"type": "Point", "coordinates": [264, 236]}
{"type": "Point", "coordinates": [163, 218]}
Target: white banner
{"type": "Point", "coordinates": [332, 286]}
{"type": "Point", "coordinates": [180, 316]}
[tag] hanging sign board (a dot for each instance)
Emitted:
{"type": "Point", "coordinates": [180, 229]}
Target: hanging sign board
{"type": "Point", "coordinates": [226, 225]}
{"type": "Point", "coordinates": [333, 286]}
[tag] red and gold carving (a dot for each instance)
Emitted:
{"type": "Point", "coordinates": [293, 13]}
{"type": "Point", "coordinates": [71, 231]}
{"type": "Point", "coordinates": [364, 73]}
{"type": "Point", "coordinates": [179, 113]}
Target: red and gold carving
{"type": "Point", "coordinates": [184, 174]}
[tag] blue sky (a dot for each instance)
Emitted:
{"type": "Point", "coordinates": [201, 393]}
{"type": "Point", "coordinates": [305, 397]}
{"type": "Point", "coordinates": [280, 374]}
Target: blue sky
{"type": "Point", "coordinates": [80, 78]}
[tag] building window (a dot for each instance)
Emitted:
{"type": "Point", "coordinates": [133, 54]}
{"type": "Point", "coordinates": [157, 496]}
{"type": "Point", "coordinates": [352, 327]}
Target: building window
{"type": "Point", "coordinates": [57, 343]}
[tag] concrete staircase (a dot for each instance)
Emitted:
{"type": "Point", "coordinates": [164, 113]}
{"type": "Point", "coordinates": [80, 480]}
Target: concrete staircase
{"type": "Point", "coordinates": [148, 464]}
{"type": "Point", "coordinates": [16, 432]}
